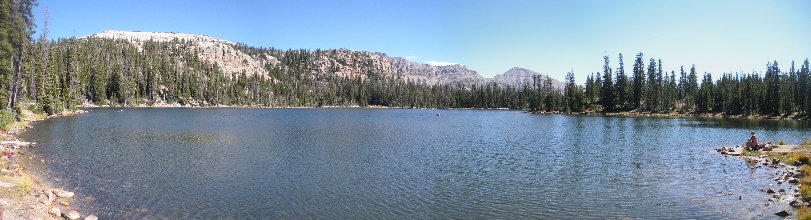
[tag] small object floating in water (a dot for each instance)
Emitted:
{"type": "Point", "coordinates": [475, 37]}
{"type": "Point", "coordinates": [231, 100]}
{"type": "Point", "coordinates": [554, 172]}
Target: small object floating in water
{"type": "Point", "coordinates": [437, 115]}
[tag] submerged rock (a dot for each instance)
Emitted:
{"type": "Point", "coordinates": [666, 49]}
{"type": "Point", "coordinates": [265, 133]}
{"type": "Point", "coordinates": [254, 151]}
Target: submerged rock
{"type": "Point", "coordinates": [770, 191]}
{"type": "Point", "coordinates": [782, 213]}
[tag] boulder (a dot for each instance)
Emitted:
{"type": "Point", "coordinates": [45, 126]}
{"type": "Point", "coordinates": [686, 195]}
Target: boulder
{"type": "Point", "coordinates": [72, 215]}
{"type": "Point", "coordinates": [793, 180]}
{"type": "Point", "coordinates": [770, 191]}
{"type": "Point", "coordinates": [55, 212]}
{"type": "Point", "coordinates": [91, 217]}
{"type": "Point", "coordinates": [44, 200]}
{"type": "Point", "coordinates": [782, 213]}
{"type": "Point", "coordinates": [63, 194]}
{"type": "Point", "coordinates": [64, 203]}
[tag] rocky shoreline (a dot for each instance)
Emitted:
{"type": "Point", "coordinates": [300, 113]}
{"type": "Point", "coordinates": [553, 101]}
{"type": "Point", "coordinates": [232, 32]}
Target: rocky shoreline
{"type": "Point", "coordinates": [23, 196]}
{"type": "Point", "coordinates": [794, 116]}
{"type": "Point", "coordinates": [787, 175]}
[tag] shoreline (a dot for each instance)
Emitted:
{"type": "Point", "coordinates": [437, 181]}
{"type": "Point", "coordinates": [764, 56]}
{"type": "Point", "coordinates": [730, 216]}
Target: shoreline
{"type": "Point", "coordinates": [160, 106]}
{"type": "Point", "coordinates": [24, 194]}
{"type": "Point", "coordinates": [793, 170]}
{"type": "Point", "coordinates": [794, 117]}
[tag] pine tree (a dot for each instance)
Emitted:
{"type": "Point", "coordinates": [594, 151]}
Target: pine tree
{"type": "Point", "coordinates": [639, 82]}
{"type": "Point", "coordinates": [621, 88]}
{"type": "Point", "coordinates": [607, 95]}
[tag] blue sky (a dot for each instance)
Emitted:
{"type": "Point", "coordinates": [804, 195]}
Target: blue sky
{"type": "Point", "coordinates": [488, 36]}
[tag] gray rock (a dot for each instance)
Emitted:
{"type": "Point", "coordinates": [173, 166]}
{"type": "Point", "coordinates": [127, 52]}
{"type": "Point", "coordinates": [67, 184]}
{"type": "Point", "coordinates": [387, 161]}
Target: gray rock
{"type": "Point", "coordinates": [793, 180]}
{"type": "Point", "coordinates": [770, 191]}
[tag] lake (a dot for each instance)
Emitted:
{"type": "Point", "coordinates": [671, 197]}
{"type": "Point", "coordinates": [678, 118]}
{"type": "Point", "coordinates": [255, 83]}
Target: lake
{"type": "Point", "coordinates": [402, 163]}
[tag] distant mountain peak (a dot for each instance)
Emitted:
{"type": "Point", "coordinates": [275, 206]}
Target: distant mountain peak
{"type": "Point", "coordinates": [519, 76]}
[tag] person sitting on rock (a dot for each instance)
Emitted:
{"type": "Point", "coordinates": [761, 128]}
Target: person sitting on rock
{"type": "Point", "coordinates": [752, 144]}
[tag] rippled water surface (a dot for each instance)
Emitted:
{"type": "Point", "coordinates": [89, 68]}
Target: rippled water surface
{"type": "Point", "coordinates": [394, 163]}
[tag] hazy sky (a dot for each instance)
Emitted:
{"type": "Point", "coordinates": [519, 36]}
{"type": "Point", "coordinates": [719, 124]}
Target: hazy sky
{"type": "Point", "coordinates": [488, 36]}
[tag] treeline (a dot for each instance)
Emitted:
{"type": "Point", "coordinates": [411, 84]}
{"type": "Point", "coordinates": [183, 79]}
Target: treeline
{"type": "Point", "coordinates": [651, 89]}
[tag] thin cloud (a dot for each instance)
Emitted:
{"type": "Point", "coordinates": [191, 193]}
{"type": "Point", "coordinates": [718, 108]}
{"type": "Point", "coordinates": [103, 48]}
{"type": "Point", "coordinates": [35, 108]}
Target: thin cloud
{"type": "Point", "coordinates": [439, 63]}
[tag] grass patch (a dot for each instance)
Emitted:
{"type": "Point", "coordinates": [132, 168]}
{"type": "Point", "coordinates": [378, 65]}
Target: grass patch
{"type": "Point", "coordinates": [806, 143]}
{"type": "Point", "coordinates": [781, 142]}
{"type": "Point", "coordinates": [749, 153]}
{"type": "Point", "coordinates": [16, 124]}
{"type": "Point", "coordinates": [805, 192]}
{"type": "Point", "coordinates": [804, 213]}
{"type": "Point", "coordinates": [26, 184]}
{"type": "Point", "coordinates": [792, 158]}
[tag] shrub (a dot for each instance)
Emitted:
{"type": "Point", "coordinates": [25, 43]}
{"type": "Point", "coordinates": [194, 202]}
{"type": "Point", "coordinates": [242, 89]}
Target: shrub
{"type": "Point", "coordinates": [802, 158]}
{"type": "Point", "coordinates": [6, 118]}
{"type": "Point", "coordinates": [782, 142]}
{"type": "Point", "coordinates": [805, 170]}
{"type": "Point", "coordinates": [805, 192]}
{"type": "Point", "coordinates": [35, 108]}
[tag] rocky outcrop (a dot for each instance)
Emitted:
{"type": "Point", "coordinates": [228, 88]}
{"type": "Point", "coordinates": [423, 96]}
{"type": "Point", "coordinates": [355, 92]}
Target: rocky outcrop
{"type": "Point", "coordinates": [210, 50]}
{"type": "Point", "coordinates": [432, 75]}
{"type": "Point", "coordinates": [517, 77]}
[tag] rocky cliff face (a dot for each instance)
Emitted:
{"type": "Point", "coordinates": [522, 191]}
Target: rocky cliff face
{"type": "Point", "coordinates": [432, 75]}
{"type": "Point", "coordinates": [340, 62]}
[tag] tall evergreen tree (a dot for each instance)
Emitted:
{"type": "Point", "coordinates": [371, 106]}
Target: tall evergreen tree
{"type": "Point", "coordinates": [639, 82]}
{"type": "Point", "coordinates": [621, 87]}
{"type": "Point", "coordinates": [607, 95]}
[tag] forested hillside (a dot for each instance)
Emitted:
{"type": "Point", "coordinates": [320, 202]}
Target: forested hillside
{"type": "Point", "coordinates": [143, 69]}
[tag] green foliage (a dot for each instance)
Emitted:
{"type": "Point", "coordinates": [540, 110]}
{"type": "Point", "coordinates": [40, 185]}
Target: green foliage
{"type": "Point", "coordinates": [35, 108]}
{"type": "Point", "coordinates": [781, 142]}
{"type": "Point", "coordinates": [805, 192]}
{"type": "Point", "coordinates": [6, 117]}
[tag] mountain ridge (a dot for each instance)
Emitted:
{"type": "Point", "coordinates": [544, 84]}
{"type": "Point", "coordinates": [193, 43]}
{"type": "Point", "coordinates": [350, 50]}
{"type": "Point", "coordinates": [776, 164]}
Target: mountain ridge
{"type": "Point", "coordinates": [344, 62]}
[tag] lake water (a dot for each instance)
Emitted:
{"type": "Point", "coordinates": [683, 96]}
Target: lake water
{"type": "Point", "coordinates": [398, 163]}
